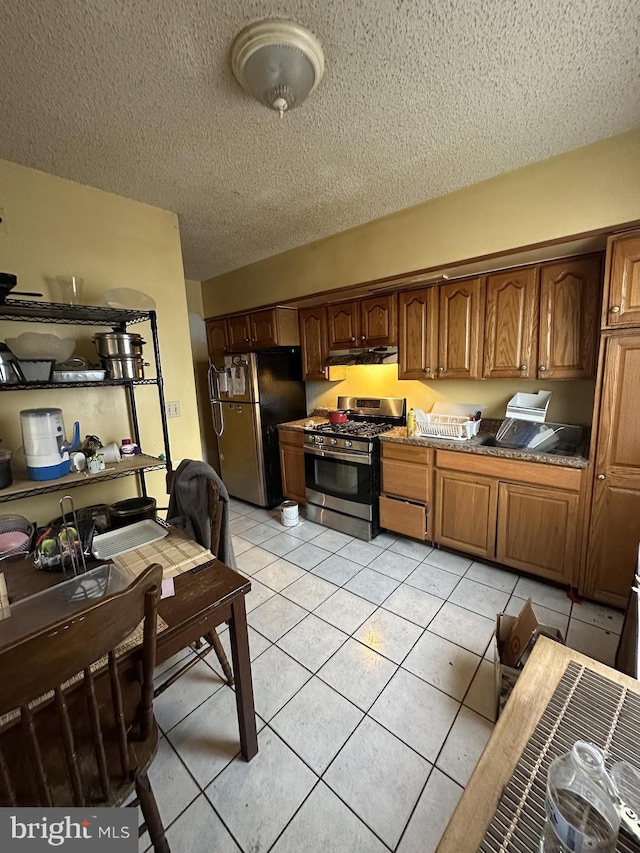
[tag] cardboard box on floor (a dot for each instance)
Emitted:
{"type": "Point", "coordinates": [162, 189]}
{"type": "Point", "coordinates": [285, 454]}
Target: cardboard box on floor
{"type": "Point", "coordinates": [514, 639]}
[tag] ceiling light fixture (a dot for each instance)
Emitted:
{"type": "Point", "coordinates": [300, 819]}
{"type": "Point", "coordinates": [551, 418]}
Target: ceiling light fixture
{"type": "Point", "coordinates": [278, 62]}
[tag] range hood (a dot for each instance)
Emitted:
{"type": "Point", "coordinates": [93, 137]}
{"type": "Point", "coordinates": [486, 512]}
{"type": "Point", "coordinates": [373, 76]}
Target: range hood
{"type": "Point", "coordinates": [364, 355]}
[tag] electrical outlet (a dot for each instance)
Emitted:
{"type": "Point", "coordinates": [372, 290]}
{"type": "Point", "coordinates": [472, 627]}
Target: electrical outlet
{"type": "Point", "coordinates": [173, 409]}
{"type": "Point", "coordinates": [3, 222]}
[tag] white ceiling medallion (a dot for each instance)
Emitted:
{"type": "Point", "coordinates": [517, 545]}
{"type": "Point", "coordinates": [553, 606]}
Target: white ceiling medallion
{"type": "Point", "coordinates": [278, 62]}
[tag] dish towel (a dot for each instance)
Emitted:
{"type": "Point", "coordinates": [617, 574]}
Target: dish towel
{"type": "Point", "coordinates": [189, 507]}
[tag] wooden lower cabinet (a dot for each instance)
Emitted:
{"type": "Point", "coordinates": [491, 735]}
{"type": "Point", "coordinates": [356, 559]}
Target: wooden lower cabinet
{"type": "Point", "coordinates": [292, 465]}
{"type": "Point", "coordinates": [465, 512]}
{"type": "Point", "coordinates": [538, 530]}
{"type": "Point", "coordinates": [410, 519]}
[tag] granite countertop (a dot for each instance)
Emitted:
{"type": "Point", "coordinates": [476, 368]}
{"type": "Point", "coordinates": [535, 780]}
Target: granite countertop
{"type": "Point", "coordinates": [475, 445]}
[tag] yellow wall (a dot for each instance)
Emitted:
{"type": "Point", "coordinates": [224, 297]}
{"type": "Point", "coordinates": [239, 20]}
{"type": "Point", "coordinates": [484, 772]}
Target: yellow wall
{"type": "Point", "coordinates": [200, 366]}
{"type": "Point", "coordinates": [57, 227]}
{"type": "Point", "coordinates": [597, 186]}
{"type": "Point", "coordinates": [571, 402]}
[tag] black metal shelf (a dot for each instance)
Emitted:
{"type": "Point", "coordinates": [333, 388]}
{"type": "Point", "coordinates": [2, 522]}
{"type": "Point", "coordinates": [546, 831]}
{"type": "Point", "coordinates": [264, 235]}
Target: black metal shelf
{"type": "Point", "coordinates": [25, 488]}
{"type": "Point", "coordinates": [71, 315]}
{"type": "Point", "coordinates": [91, 315]}
{"type": "Point", "coordinates": [105, 383]}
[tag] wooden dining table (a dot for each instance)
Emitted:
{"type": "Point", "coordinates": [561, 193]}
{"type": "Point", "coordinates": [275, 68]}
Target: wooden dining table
{"type": "Point", "coordinates": [205, 597]}
{"type": "Point", "coordinates": [531, 695]}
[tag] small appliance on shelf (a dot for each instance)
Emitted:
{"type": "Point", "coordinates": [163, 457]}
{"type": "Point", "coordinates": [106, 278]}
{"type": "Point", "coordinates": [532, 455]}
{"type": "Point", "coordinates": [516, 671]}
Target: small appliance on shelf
{"type": "Point", "coordinates": [46, 449]}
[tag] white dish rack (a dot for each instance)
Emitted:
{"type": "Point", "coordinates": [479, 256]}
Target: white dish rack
{"type": "Point", "coordinates": [453, 427]}
{"type": "Point", "coordinates": [448, 420]}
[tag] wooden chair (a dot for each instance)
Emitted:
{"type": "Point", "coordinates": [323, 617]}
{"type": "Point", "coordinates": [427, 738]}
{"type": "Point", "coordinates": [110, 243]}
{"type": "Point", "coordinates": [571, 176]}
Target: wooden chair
{"type": "Point", "coordinates": [215, 507]}
{"type": "Point", "coordinates": [84, 735]}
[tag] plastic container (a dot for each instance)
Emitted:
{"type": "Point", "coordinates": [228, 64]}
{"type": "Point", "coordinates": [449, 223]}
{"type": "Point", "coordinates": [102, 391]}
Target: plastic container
{"type": "Point", "coordinates": [581, 813]}
{"type": "Point", "coordinates": [289, 513]}
{"type": "Point", "coordinates": [128, 448]}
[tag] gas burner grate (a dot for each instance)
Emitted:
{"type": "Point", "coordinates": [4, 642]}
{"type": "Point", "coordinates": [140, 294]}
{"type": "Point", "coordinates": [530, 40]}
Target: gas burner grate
{"type": "Point", "coordinates": [358, 428]}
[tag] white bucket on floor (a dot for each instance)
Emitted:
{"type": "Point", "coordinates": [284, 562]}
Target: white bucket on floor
{"type": "Point", "coordinates": [289, 513]}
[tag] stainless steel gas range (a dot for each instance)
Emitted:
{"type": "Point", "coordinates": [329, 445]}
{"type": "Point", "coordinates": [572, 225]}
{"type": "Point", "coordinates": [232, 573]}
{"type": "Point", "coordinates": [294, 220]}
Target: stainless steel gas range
{"type": "Point", "coordinates": [342, 464]}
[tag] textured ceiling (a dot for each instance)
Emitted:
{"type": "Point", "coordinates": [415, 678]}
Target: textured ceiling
{"type": "Point", "coordinates": [419, 98]}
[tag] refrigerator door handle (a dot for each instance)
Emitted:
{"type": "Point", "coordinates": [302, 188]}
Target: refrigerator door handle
{"type": "Point", "coordinates": [217, 429]}
{"type": "Point", "coordinates": [212, 376]}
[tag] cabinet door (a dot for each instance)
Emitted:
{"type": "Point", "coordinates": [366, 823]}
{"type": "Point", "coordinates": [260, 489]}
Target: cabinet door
{"type": "Point", "coordinates": [615, 509]}
{"type": "Point", "coordinates": [313, 341]}
{"type": "Point", "coordinates": [263, 329]}
{"type": "Point", "coordinates": [418, 332]}
{"type": "Point", "coordinates": [216, 337]}
{"type": "Point", "coordinates": [538, 530]}
{"type": "Point", "coordinates": [379, 321]}
{"type": "Point", "coordinates": [238, 332]}
{"type": "Point", "coordinates": [292, 468]}
{"type": "Point", "coordinates": [569, 294]}
{"type": "Point", "coordinates": [343, 320]}
{"type": "Point", "coordinates": [466, 507]}
{"type": "Point", "coordinates": [460, 343]}
{"type": "Point", "coordinates": [511, 323]}
{"type": "Point", "coordinates": [621, 305]}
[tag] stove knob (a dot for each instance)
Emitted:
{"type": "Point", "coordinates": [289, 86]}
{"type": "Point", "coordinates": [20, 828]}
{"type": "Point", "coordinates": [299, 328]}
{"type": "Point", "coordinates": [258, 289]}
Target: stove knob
{"type": "Point", "coordinates": [334, 441]}
{"type": "Point", "coordinates": [319, 440]}
{"type": "Point", "coordinates": [311, 439]}
{"type": "Point", "coordinates": [348, 444]}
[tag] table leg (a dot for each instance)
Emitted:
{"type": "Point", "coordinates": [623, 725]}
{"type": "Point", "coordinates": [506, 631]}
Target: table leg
{"type": "Point", "coordinates": [244, 685]}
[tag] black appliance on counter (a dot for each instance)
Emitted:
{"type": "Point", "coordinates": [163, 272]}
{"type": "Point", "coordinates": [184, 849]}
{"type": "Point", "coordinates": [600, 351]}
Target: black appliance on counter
{"type": "Point", "coordinates": [342, 465]}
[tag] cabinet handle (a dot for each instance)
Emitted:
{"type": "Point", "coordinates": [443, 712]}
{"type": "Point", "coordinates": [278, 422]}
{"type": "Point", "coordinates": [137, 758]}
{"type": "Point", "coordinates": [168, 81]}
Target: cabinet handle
{"type": "Point", "coordinates": [441, 370]}
{"type": "Point", "coordinates": [542, 368]}
{"type": "Point", "coordinates": [364, 337]}
{"type": "Point", "coordinates": [427, 370]}
{"type": "Point", "coordinates": [523, 367]}
{"type": "Point", "coordinates": [353, 338]}
{"type": "Point", "coordinates": [615, 309]}
{"type": "Point", "coordinates": [601, 476]}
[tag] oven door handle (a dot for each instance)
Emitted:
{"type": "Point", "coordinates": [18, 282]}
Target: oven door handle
{"type": "Point", "coordinates": [358, 458]}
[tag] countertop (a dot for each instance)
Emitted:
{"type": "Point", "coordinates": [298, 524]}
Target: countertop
{"type": "Point", "coordinates": [527, 703]}
{"type": "Point", "coordinates": [398, 435]}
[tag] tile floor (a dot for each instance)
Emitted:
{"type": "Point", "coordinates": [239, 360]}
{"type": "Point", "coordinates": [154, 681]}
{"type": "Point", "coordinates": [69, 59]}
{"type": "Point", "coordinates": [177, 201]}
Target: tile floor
{"type": "Point", "coordinates": [373, 681]}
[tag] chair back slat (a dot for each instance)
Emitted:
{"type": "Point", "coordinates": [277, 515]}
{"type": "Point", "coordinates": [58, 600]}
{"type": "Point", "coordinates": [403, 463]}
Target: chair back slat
{"type": "Point", "coordinates": [69, 748]}
{"type": "Point", "coordinates": [118, 714]}
{"type": "Point", "coordinates": [148, 664]}
{"type": "Point", "coordinates": [9, 790]}
{"type": "Point", "coordinates": [216, 505]}
{"type": "Point", "coordinates": [96, 731]}
{"type": "Point", "coordinates": [88, 635]}
{"type": "Point", "coordinates": [42, 790]}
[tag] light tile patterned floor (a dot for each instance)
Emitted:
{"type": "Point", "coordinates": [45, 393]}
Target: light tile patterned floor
{"type": "Point", "coordinates": [373, 680]}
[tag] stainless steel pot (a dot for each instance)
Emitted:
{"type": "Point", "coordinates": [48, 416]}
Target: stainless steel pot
{"type": "Point", "coordinates": [111, 344]}
{"type": "Point", "coordinates": [125, 367]}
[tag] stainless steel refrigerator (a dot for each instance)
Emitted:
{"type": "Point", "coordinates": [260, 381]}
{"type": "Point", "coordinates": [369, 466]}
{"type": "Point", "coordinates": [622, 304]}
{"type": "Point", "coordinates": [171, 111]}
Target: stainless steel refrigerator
{"type": "Point", "coordinates": [251, 393]}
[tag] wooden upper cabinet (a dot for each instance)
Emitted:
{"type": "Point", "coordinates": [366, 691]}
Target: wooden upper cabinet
{"type": "Point", "coordinates": [343, 321]}
{"type": "Point", "coordinates": [615, 509]}
{"type": "Point", "coordinates": [621, 304]}
{"type": "Point", "coordinates": [239, 334]}
{"type": "Point", "coordinates": [511, 323]}
{"type": "Point", "coordinates": [313, 340]}
{"type": "Point", "coordinates": [459, 339]}
{"type": "Point", "coordinates": [262, 329]}
{"type": "Point", "coordinates": [379, 321]}
{"type": "Point", "coordinates": [569, 296]}
{"type": "Point", "coordinates": [418, 333]}
{"type": "Point", "coordinates": [217, 343]}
